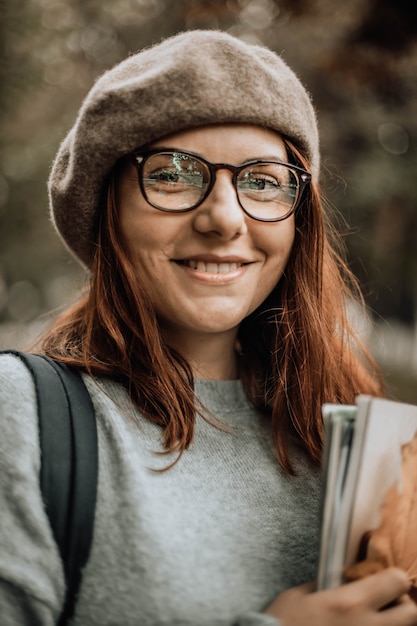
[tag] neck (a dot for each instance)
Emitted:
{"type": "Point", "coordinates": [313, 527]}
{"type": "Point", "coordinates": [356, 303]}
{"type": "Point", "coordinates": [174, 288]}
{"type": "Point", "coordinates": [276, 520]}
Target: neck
{"type": "Point", "coordinates": [211, 356]}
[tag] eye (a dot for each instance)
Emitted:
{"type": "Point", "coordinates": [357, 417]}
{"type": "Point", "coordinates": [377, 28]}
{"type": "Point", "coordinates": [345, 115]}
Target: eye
{"type": "Point", "coordinates": [265, 177]}
{"type": "Point", "coordinates": [173, 172]}
{"type": "Point", "coordinates": [176, 178]}
{"type": "Point", "coordinates": [260, 185]}
{"type": "Point", "coordinates": [164, 176]}
{"type": "Point", "coordinates": [259, 182]}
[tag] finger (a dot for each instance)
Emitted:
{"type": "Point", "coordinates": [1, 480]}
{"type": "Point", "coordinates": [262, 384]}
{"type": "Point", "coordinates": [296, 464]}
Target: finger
{"type": "Point", "coordinates": [292, 595]}
{"type": "Point", "coordinates": [404, 613]}
{"type": "Point", "coordinates": [304, 589]}
{"type": "Point", "coordinates": [382, 588]}
{"type": "Point", "coordinates": [404, 598]}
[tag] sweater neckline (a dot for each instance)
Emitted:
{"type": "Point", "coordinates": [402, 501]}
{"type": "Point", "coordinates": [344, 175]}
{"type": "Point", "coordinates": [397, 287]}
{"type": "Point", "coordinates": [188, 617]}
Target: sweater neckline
{"type": "Point", "coordinates": [221, 394]}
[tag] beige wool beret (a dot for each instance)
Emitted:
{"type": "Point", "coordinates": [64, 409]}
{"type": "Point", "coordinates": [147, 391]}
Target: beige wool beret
{"type": "Point", "coordinates": [189, 80]}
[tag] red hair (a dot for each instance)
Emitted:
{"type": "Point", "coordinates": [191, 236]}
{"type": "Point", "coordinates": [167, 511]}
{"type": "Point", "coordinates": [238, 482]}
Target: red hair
{"type": "Point", "coordinates": [298, 348]}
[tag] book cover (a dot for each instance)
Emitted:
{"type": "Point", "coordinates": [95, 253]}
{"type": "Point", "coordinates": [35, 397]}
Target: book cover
{"type": "Point", "coordinates": [369, 505]}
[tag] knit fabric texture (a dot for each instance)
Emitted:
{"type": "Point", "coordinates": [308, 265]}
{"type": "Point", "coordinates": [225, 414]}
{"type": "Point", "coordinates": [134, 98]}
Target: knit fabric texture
{"type": "Point", "coordinates": [189, 80]}
{"type": "Point", "coordinates": [210, 542]}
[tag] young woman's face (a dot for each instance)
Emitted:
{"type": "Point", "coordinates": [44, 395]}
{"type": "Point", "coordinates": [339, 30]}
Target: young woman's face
{"type": "Point", "coordinates": [208, 268]}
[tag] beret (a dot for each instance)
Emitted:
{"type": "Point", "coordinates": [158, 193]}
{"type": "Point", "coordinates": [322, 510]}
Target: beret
{"type": "Point", "coordinates": [195, 78]}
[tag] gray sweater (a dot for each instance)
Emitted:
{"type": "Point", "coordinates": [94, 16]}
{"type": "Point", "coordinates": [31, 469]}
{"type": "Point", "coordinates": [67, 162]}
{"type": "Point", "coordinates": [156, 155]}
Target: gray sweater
{"type": "Point", "coordinates": [210, 542]}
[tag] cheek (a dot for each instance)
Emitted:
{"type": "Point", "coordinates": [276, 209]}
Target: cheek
{"type": "Point", "coordinates": [139, 229]}
{"type": "Point", "coordinates": [277, 246]}
{"type": "Point", "coordinates": [143, 251]}
{"type": "Point", "coordinates": [138, 243]}
{"type": "Point", "coordinates": [132, 239]}
{"type": "Point", "coordinates": [133, 213]}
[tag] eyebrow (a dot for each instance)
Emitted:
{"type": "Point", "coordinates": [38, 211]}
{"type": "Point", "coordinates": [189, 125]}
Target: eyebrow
{"type": "Point", "coordinates": [270, 157]}
{"type": "Point", "coordinates": [283, 159]}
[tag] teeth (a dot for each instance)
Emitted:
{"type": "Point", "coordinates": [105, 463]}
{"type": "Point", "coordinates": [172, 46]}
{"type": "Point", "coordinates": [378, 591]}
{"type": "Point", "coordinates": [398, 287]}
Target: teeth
{"type": "Point", "coordinates": [213, 268]}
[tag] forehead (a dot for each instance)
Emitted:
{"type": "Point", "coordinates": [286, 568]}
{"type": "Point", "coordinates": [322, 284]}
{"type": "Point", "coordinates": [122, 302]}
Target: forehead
{"type": "Point", "coordinates": [227, 142]}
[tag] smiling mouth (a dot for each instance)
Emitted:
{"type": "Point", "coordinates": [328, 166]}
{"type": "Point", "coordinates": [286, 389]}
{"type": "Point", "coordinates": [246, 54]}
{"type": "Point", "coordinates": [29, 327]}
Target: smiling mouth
{"type": "Point", "coordinates": [210, 267]}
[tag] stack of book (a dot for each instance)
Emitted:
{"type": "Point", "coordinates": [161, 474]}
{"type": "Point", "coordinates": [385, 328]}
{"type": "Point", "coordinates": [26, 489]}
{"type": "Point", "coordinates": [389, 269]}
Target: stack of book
{"type": "Point", "coordinates": [369, 501]}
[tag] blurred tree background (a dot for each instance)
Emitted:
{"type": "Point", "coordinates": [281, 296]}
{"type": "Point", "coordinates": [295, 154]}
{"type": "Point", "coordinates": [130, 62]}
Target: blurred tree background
{"type": "Point", "coordinates": [357, 58]}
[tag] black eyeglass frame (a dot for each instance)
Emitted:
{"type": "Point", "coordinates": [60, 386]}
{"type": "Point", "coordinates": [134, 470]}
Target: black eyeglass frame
{"type": "Point", "coordinates": [303, 177]}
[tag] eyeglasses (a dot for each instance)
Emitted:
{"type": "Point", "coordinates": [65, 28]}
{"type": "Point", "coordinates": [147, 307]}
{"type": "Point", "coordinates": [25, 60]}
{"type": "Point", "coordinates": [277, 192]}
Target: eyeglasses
{"type": "Point", "coordinates": [177, 181]}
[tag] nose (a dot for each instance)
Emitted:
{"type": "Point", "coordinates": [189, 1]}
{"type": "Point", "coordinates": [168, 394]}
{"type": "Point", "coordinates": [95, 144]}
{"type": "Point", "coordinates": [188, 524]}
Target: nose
{"type": "Point", "coordinates": [220, 214]}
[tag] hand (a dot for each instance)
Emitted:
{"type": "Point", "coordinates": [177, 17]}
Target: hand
{"type": "Point", "coordinates": [358, 603]}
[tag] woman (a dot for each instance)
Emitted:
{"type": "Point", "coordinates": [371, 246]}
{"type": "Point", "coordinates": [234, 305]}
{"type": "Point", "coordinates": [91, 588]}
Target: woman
{"type": "Point", "coordinates": [213, 329]}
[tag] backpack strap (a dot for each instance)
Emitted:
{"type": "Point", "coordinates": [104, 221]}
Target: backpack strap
{"type": "Point", "coordinates": [69, 464]}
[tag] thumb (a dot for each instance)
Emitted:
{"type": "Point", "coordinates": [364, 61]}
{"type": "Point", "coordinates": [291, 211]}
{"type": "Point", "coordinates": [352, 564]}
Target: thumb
{"type": "Point", "coordinates": [304, 589]}
{"type": "Point", "coordinates": [291, 596]}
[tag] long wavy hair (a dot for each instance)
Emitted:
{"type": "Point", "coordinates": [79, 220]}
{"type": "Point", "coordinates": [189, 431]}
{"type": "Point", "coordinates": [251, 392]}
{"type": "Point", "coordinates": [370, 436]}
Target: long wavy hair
{"type": "Point", "coordinates": [298, 349]}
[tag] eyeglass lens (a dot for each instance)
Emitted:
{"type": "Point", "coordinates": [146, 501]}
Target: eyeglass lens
{"type": "Point", "coordinates": [175, 181]}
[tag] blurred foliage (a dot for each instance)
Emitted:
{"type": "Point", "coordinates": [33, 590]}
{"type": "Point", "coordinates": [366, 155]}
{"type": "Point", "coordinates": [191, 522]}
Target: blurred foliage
{"type": "Point", "coordinates": [358, 59]}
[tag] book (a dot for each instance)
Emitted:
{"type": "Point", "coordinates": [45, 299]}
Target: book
{"type": "Point", "coordinates": [369, 497]}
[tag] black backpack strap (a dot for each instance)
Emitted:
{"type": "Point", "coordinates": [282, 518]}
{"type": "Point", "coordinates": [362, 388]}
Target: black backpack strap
{"type": "Point", "coordinates": [69, 464]}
